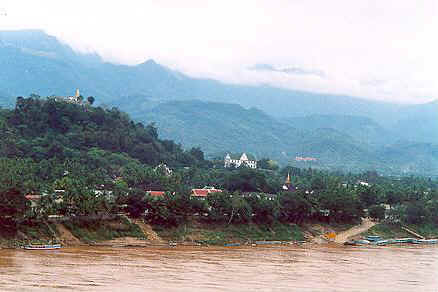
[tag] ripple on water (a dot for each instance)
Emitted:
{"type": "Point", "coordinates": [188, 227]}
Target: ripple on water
{"type": "Point", "coordinates": [289, 268]}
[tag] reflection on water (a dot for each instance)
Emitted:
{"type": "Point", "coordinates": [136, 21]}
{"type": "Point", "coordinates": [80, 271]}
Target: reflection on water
{"type": "Point", "coordinates": [316, 268]}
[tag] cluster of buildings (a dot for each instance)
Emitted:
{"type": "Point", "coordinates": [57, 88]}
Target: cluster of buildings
{"type": "Point", "coordinates": [201, 193]}
{"type": "Point", "coordinates": [197, 193]}
{"type": "Point", "coordinates": [207, 190]}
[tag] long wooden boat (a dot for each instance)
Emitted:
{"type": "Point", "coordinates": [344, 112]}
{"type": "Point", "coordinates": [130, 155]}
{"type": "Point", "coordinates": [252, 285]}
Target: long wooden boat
{"type": "Point", "coordinates": [42, 246]}
{"type": "Point", "coordinates": [232, 244]}
{"type": "Point", "coordinates": [404, 240]}
{"type": "Point", "coordinates": [373, 238]}
{"type": "Point", "coordinates": [428, 241]}
{"type": "Point", "coordinates": [382, 242]}
{"type": "Point", "coordinates": [268, 242]}
{"type": "Point", "coordinates": [357, 242]}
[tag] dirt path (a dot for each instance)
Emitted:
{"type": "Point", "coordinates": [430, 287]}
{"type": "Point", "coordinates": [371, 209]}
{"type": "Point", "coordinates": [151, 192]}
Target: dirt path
{"type": "Point", "coordinates": [413, 232]}
{"type": "Point", "coordinates": [151, 235]}
{"type": "Point", "coordinates": [364, 226]}
{"type": "Point", "coordinates": [65, 236]}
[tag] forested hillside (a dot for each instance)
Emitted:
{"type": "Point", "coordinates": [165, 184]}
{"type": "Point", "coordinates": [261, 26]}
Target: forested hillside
{"type": "Point", "coordinates": [101, 163]}
{"type": "Point", "coordinates": [222, 127]}
{"type": "Point", "coordinates": [336, 142]}
{"type": "Point", "coordinates": [342, 132]}
{"type": "Point", "coordinates": [361, 128]}
{"type": "Point", "coordinates": [50, 129]}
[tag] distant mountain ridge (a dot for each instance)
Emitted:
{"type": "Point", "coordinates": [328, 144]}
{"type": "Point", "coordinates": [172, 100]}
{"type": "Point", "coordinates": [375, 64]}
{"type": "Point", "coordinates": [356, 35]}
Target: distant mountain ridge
{"type": "Point", "coordinates": [363, 129]}
{"type": "Point", "coordinates": [219, 127]}
{"type": "Point", "coordinates": [271, 121]}
{"type": "Point", "coordinates": [32, 61]}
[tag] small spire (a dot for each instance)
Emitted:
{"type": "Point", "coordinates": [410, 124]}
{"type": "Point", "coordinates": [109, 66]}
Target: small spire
{"type": "Point", "coordinates": [77, 93]}
{"type": "Point", "coordinates": [287, 182]}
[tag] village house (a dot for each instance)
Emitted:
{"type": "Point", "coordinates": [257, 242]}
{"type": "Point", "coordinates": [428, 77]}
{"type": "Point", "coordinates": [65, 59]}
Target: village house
{"type": "Point", "coordinates": [231, 161]}
{"type": "Point", "coordinates": [204, 192]}
{"type": "Point", "coordinates": [33, 199]}
{"type": "Point", "coordinates": [156, 193]}
{"type": "Point", "coordinates": [299, 158]}
{"type": "Point", "coordinates": [258, 195]}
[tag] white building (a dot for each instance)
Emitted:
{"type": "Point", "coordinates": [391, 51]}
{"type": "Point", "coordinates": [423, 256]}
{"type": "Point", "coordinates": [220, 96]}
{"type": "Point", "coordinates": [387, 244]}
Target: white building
{"type": "Point", "coordinates": [232, 161]}
{"type": "Point", "coordinates": [77, 98]}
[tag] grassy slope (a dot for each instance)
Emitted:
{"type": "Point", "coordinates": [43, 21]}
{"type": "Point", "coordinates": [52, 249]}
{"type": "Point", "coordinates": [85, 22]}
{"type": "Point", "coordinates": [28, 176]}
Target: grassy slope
{"type": "Point", "coordinates": [387, 231]}
{"type": "Point", "coordinates": [31, 232]}
{"type": "Point", "coordinates": [220, 234]}
{"type": "Point", "coordinates": [93, 231]}
{"type": "Point", "coordinates": [87, 232]}
{"type": "Point", "coordinates": [394, 231]}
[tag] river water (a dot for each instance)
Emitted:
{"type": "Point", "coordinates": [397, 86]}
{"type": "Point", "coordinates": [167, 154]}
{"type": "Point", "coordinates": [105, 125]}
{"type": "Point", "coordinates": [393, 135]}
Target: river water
{"type": "Point", "coordinates": [275, 268]}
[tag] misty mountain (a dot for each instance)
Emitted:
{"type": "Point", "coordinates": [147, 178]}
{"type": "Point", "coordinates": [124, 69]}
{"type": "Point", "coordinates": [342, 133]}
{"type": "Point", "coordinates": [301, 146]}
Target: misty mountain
{"type": "Point", "coordinates": [219, 127]}
{"type": "Point", "coordinates": [340, 130]}
{"type": "Point", "coordinates": [362, 129]}
{"type": "Point", "coordinates": [419, 123]}
{"type": "Point", "coordinates": [33, 61]}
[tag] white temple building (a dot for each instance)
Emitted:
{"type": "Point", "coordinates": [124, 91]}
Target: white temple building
{"type": "Point", "coordinates": [230, 161]}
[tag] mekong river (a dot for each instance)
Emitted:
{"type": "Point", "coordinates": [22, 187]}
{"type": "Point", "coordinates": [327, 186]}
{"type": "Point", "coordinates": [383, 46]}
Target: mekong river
{"type": "Point", "coordinates": [275, 268]}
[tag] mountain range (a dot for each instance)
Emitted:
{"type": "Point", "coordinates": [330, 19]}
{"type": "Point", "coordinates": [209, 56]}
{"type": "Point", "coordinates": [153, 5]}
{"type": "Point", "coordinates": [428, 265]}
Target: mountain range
{"type": "Point", "coordinates": [340, 131]}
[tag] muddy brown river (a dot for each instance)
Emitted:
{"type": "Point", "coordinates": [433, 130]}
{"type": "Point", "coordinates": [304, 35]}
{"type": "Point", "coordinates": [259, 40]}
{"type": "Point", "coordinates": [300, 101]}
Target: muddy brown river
{"type": "Point", "coordinates": [275, 268]}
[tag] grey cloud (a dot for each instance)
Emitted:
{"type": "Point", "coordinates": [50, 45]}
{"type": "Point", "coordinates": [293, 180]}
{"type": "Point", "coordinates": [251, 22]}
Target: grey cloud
{"type": "Point", "coordinates": [339, 46]}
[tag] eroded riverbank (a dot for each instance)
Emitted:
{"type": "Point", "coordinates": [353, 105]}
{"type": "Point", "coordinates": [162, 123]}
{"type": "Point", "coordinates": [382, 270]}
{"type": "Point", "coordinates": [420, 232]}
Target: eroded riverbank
{"type": "Point", "coordinates": [124, 232]}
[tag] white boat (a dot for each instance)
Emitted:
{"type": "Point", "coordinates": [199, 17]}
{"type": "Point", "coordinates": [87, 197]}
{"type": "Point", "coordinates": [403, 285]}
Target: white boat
{"type": "Point", "coordinates": [42, 246]}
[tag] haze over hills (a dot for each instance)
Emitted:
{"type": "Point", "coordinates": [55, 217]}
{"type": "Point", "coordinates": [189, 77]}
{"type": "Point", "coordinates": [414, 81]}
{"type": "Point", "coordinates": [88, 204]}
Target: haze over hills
{"type": "Point", "coordinates": [342, 131]}
{"type": "Point", "coordinates": [363, 129]}
{"type": "Point", "coordinates": [35, 62]}
{"type": "Point", "coordinates": [419, 123]}
{"type": "Point", "coordinates": [219, 127]}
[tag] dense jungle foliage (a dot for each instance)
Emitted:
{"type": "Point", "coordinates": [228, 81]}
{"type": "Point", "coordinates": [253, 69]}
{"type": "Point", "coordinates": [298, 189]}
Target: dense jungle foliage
{"type": "Point", "coordinates": [90, 161]}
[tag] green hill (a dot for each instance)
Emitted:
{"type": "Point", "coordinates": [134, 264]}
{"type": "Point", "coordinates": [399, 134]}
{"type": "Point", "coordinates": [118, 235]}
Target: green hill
{"type": "Point", "coordinates": [346, 143]}
{"type": "Point", "coordinates": [363, 129]}
{"type": "Point", "coordinates": [43, 129]}
{"type": "Point", "coordinates": [218, 127]}
{"type": "Point", "coordinates": [419, 123]}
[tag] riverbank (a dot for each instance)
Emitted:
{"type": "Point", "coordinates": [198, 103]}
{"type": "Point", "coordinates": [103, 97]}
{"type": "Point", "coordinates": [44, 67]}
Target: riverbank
{"type": "Point", "coordinates": [124, 232]}
{"type": "Point", "coordinates": [385, 230]}
{"type": "Point", "coordinates": [72, 232]}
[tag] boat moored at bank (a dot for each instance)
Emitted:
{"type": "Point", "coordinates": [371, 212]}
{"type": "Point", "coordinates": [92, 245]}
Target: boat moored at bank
{"type": "Point", "coordinates": [42, 246]}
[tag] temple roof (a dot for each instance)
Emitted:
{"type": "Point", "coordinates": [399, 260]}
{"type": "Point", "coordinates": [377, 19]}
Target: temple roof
{"type": "Point", "coordinates": [239, 156]}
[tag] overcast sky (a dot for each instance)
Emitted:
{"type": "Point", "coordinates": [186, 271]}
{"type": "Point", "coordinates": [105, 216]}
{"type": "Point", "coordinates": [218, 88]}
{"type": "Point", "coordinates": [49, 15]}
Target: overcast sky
{"type": "Point", "coordinates": [386, 50]}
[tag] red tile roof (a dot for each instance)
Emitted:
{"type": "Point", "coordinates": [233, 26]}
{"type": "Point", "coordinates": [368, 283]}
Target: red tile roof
{"type": "Point", "coordinates": [33, 197]}
{"type": "Point", "coordinates": [204, 192]}
{"type": "Point", "coordinates": [200, 192]}
{"type": "Point", "coordinates": [156, 193]}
